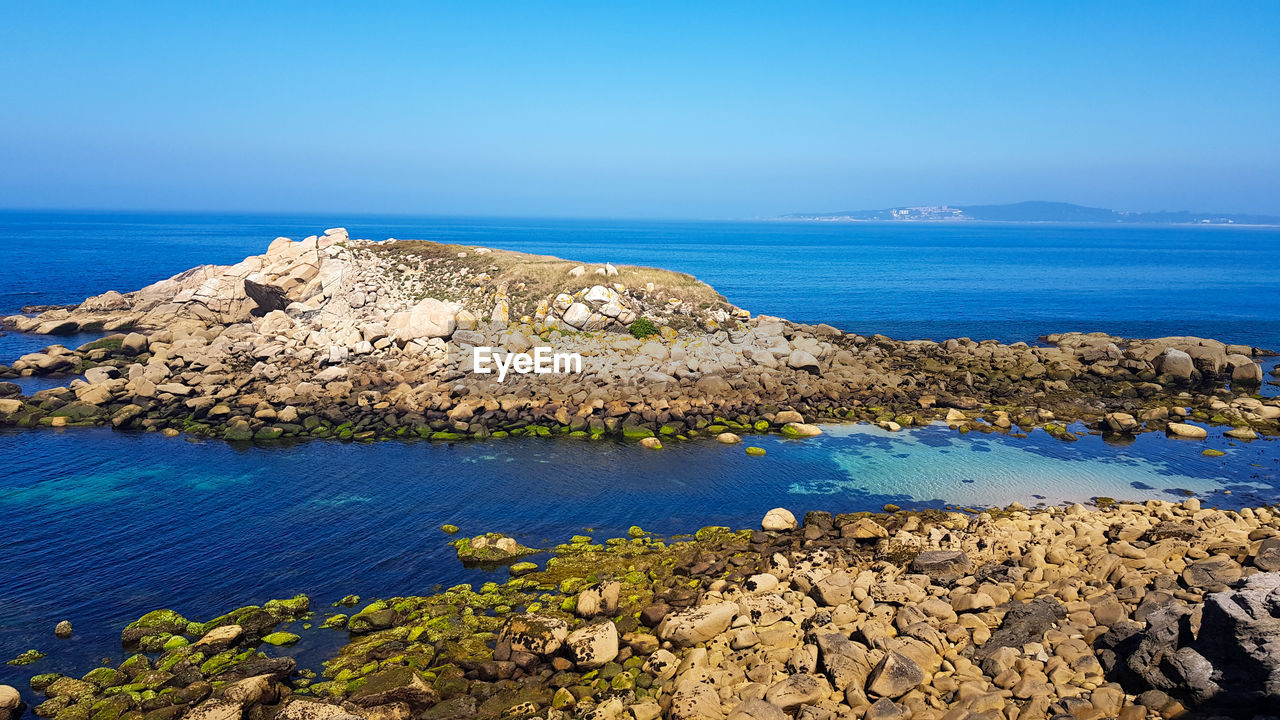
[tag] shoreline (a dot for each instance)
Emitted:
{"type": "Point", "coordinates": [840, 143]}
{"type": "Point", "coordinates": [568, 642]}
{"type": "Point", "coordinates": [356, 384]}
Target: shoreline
{"type": "Point", "coordinates": [933, 610]}
{"type": "Point", "coordinates": [354, 339]}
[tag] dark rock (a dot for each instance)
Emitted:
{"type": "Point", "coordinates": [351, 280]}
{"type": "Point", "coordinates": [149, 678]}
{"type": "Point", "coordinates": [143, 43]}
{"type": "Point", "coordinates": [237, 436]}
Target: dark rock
{"type": "Point", "coordinates": [277, 668]}
{"type": "Point", "coordinates": [397, 684]}
{"type": "Point", "coordinates": [267, 297]}
{"type": "Point", "coordinates": [1238, 633]}
{"type": "Point", "coordinates": [1211, 572]}
{"type": "Point", "coordinates": [1024, 623]}
{"type": "Point", "coordinates": [653, 614]}
{"type": "Point", "coordinates": [462, 707]}
{"type": "Point", "coordinates": [942, 566]}
{"type": "Point", "coordinates": [1233, 661]}
{"type": "Point", "coordinates": [1268, 557]}
{"type": "Point", "coordinates": [1171, 529]}
{"type": "Point", "coordinates": [819, 519]}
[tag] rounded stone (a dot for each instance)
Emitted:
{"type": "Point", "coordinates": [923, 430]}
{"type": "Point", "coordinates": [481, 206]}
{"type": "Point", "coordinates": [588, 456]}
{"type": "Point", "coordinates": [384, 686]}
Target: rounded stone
{"type": "Point", "coordinates": [779, 519]}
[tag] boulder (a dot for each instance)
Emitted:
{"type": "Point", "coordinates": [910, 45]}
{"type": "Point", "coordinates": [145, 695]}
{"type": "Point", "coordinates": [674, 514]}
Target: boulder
{"type": "Point", "coordinates": [468, 337]}
{"type": "Point", "coordinates": [863, 529]}
{"type": "Point", "coordinates": [803, 360]}
{"type": "Point", "coordinates": [1211, 572]}
{"type": "Point", "coordinates": [1176, 363]}
{"type": "Point", "coordinates": [1185, 430]}
{"type": "Point", "coordinates": [834, 589]}
{"type": "Point", "coordinates": [134, 344]}
{"type": "Point", "coordinates": [1238, 631]}
{"type": "Point", "coordinates": [800, 430]}
{"type": "Point", "coordinates": [11, 704]}
{"type": "Point", "coordinates": [1118, 422]}
{"type": "Point", "coordinates": [592, 646]}
{"type": "Point", "coordinates": [266, 298]}
{"type": "Point", "coordinates": [697, 625]}
{"type": "Point", "coordinates": [788, 416]}
{"type": "Point", "coordinates": [797, 690]}
{"type": "Point", "coordinates": [942, 566]}
{"type": "Point", "coordinates": [577, 315]}
{"type": "Point", "coordinates": [430, 318]}
{"type": "Point", "coordinates": [218, 639]}
{"type": "Point", "coordinates": [1231, 663]}
{"type": "Point", "coordinates": [395, 685]}
{"type": "Point", "coordinates": [1244, 370]}
{"type": "Point", "coordinates": [1268, 556]}
{"type": "Point", "coordinates": [1210, 357]}
{"type": "Point", "coordinates": [778, 519]}
{"type": "Point", "coordinates": [536, 634]}
{"type": "Point", "coordinates": [216, 709]}
{"type": "Point", "coordinates": [895, 676]}
{"type": "Point", "coordinates": [299, 709]}
{"type": "Point", "coordinates": [691, 701]}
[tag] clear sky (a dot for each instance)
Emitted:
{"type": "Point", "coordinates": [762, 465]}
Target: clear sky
{"type": "Point", "coordinates": [653, 109]}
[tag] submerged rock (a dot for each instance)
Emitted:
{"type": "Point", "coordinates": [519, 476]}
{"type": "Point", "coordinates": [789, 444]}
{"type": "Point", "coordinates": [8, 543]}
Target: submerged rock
{"type": "Point", "coordinates": [27, 658]}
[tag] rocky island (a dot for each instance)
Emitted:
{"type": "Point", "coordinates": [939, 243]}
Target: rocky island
{"type": "Point", "coordinates": [334, 337]}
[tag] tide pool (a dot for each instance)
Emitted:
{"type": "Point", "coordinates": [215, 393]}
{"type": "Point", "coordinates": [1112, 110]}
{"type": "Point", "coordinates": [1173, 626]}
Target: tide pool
{"type": "Point", "coordinates": [102, 526]}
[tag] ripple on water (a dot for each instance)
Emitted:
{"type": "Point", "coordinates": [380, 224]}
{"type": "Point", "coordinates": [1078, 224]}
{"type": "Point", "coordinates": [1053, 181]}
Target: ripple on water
{"type": "Point", "coordinates": [935, 464]}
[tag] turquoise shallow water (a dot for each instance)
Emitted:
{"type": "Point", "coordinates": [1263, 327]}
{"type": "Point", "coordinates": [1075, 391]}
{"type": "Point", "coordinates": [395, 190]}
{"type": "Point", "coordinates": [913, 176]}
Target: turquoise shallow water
{"type": "Point", "coordinates": [101, 526]}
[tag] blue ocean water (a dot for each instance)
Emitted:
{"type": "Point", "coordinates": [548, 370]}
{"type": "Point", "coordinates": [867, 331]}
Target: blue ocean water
{"type": "Point", "coordinates": [1004, 281]}
{"type": "Point", "coordinates": [101, 526]}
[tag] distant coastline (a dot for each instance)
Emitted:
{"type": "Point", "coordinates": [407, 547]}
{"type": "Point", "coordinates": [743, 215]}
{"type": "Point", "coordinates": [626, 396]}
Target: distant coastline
{"type": "Point", "coordinates": [1033, 212]}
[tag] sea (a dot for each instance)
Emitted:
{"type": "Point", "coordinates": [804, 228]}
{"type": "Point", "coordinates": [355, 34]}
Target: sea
{"type": "Point", "coordinates": [98, 526]}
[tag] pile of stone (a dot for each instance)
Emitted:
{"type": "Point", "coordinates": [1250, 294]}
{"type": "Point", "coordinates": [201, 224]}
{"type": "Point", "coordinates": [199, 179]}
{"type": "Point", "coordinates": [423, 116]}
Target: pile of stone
{"type": "Point", "coordinates": [1131, 611]}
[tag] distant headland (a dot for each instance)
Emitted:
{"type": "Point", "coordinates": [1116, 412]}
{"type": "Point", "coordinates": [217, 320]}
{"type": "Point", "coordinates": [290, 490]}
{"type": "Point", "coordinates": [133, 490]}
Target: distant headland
{"type": "Point", "coordinates": [1032, 211]}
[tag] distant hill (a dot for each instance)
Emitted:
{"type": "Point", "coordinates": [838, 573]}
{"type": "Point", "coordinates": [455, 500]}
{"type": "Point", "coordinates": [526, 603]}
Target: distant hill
{"type": "Point", "coordinates": [1033, 211]}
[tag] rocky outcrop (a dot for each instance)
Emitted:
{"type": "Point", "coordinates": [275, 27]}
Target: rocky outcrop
{"type": "Point", "coordinates": [1223, 654]}
{"type": "Point", "coordinates": [335, 337]}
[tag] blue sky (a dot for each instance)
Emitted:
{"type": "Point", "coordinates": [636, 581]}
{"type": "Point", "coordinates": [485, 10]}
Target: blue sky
{"type": "Point", "coordinates": [700, 110]}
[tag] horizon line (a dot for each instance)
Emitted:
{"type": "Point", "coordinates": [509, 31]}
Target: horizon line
{"type": "Point", "coordinates": [786, 217]}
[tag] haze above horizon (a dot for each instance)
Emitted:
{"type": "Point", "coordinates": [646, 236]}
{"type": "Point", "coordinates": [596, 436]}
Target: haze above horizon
{"type": "Point", "coordinates": [665, 110]}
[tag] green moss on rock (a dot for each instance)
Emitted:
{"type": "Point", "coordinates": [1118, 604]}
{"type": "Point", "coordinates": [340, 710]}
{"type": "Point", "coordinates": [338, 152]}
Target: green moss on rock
{"type": "Point", "coordinates": [280, 638]}
{"type": "Point", "coordinates": [27, 658]}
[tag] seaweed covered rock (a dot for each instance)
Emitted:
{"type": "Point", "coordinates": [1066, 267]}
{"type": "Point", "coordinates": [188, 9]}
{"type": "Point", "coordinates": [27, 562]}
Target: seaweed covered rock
{"type": "Point", "coordinates": [154, 623]}
{"type": "Point", "coordinates": [490, 548]}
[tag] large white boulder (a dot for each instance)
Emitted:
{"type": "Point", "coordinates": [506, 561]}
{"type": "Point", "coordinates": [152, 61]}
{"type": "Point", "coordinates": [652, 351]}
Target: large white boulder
{"type": "Point", "coordinates": [430, 318]}
{"type": "Point", "coordinates": [779, 519]}
{"type": "Point", "coordinates": [593, 645]}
